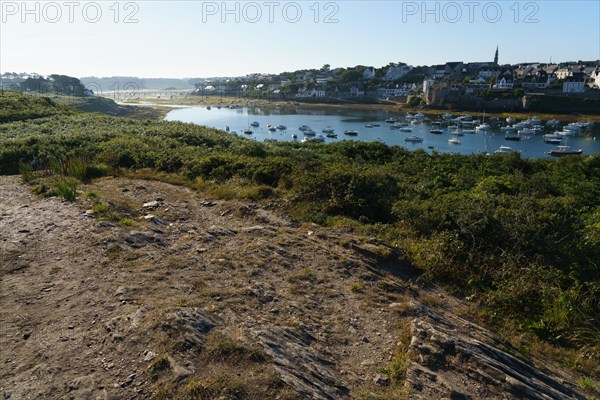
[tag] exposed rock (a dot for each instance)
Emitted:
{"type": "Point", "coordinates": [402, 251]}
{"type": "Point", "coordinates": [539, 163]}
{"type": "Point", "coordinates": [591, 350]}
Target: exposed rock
{"type": "Point", "coordinates": [300, 365]}
{"type": "Point", "coordinates": [220, 231]}
{"type": "Point", "coordinates": [141, 239]}
{"type": "Point", "coordinates": [451, 356]}
{"type": "Point", "coordinates": [151, 204]}
{"type": "Point", "coordinates": [188, 326]}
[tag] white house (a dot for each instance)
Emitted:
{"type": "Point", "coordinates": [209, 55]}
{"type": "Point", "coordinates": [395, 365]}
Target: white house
{"type": "Point", "coordinates": [540, 80]}
{"type": "Point", "coordinates": [595, 76]}
{"type": "Point", "coordinates": [488, 73]}
{"type": "Point", "coordinates": [562, 73]}
{"type": "Point", "coordinates": [439, 72]}
{"type": "Point", "coordinates": [479, 80]}
{"type": "Point", "coordinates": [312, 93]}
{"type": "Point", "coordinates": [354, 91]}
{"type": "Point", "coordinates": [369, 73]}
{"type": "Point", "coordinates": [396, 72]}
{"type": "Point", "coordinates": [505, 82]}
{"type": "Point", "coordinates": [574, 83]}
{"type": "Point", "coordinates": [392, 92]}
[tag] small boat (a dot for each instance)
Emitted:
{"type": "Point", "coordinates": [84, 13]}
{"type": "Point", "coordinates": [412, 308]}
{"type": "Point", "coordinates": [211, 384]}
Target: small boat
{"type": "Point", "coordinates": [375, 124]}
{"type": "Point", "coordinates": [405, 129]}
{"type": "Point", "coordinates": [270, 140]}
{"type": "Point", "coordinates": [482, 127]}
{"type": "Point", "coordinates": [331, 135]}
{"type": "Point", "coordinates": [508, 128]}
{"type": "Point", "coordinates": [304, 127]}
{"type": "Point", "coordinates": [254, 124]}
{"type": "Point", "coordinates": [572, 127]}
{"type": "Point", "coordinates": [391, 120]}
{"type": "Point", "coordinates": [454, 141]}
{"type": "Point", "coordinates": [351, 132]}
{"type": "Point", "coordinates": [317, 139]}
{"type": "Point", "coordinates": [566, 133]}
{"type": "Point", "coordinates": [512, 136]}
{"type": "Point", "coordinates": [447, 116]}
{"type": "Point", "coordinates": [510, 120]}
{"type": "Point", "coordinates": [552, 122]}
{"type": "Point", "coordinates": [328, 130]}
{"type": "Point", "coordinates": [281, 127]}
{"type": "Point", "coordinates": [526, 131]}
{"type": "Point", "coordinates": [452, 127]}
{"type": "Point", "coordinates": [227, 128]}
{"type": "Point", "coordinates": [469, 131]}
{"type": "Point", "coordinates": [309, 132]}
{"type": "Point", "coordinates": [271, 128]}
{"type": "Point", "coordinates": [369, 126]}
{"type": "Point", "coordinates": [457, 133]}
{"type": "Point", "coordinates": [504, 149]}
{"type": "Point", "coordinates": [415, 122]}
{"type": "Point", "coordinates": [413, 139]}
{"type": "Point", "coordinates": [419, 115]}
{"type": "Point", "coordinates": [208, 108]}
{"type": "Point", "coordinates": [437, 131]}
{"type": "Point", "coordinates": [554, 138]}
{"type": "Point", "coordinates": [294, 136]}
{"type": "Point", "coordinates": [398, 125]}
{"type": "Point", "coordinates": [564, 151]}
{"type": "Point", "coordinates": [248, 131]}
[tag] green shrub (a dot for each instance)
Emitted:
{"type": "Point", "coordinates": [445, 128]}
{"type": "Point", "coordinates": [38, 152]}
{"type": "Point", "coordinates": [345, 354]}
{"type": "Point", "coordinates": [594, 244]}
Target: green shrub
{"type": "Point", "coordinates": [66, 188]}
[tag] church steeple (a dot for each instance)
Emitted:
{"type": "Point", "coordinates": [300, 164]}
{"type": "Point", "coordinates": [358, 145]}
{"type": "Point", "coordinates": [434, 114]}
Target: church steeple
{"type": "Point", "coordinates": [496, 57]}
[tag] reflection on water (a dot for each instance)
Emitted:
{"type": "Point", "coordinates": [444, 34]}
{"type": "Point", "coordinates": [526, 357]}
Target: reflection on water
{"type": "Point", "coordinates": [239, 119]}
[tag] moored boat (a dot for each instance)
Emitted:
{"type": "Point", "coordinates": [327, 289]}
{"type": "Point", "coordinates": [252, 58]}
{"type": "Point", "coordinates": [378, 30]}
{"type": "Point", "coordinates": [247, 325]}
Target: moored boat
{"type": "Point", "coordinates": [413, 139]}
{"type": "Point", "coordinates": [564, 151]}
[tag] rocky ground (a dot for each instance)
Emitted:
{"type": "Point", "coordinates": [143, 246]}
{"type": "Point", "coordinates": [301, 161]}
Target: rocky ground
{"type": "Point", "coordinates": [183, 297]}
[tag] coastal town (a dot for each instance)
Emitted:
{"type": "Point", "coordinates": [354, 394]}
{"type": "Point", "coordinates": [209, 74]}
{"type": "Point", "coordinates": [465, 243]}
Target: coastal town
{"type": "Point", "coordinates": [461, 83]}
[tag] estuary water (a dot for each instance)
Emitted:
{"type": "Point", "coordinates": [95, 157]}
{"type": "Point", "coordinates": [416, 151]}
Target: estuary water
{"type": "Point", "coordinates": [239, 119]}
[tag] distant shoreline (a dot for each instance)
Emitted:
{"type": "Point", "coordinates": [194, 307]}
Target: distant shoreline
{"type": "Point", "coordinates": [191, 101]}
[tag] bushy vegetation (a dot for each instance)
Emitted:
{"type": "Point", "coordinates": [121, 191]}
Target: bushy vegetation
{"type": "Point", "coordinates": [520, 236]}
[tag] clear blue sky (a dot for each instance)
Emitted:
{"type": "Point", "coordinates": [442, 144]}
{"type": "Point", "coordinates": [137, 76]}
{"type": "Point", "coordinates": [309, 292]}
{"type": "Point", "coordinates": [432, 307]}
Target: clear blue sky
{"type": "Point", "coordinates": [201, 39]}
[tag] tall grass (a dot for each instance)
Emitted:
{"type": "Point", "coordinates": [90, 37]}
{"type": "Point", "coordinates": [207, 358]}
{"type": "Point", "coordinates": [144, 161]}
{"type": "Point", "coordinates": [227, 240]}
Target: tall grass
{"type": "Point", "coordinates": [66, 188]}
{"type": "Point", "coordinates": [26, 171]}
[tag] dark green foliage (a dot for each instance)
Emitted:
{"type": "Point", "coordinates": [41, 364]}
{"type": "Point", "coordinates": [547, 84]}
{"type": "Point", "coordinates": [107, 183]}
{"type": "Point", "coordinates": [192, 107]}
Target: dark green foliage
{"type": "Point", "coordinates": [15, 106]}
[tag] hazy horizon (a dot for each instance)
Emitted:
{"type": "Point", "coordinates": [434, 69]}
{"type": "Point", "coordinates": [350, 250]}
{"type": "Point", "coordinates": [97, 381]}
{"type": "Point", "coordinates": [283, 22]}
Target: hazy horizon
{"type": "Point", "coordinates": [186, 39]}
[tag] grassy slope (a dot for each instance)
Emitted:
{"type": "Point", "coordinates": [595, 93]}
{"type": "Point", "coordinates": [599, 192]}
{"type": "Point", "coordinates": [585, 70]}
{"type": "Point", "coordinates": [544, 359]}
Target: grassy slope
{"type": "Point", "coordinates": [521, 237]}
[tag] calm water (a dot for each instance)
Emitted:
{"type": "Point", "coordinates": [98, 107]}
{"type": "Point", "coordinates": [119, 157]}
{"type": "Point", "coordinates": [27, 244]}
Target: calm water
{"type": "Point", "coordinates": [240, 118]}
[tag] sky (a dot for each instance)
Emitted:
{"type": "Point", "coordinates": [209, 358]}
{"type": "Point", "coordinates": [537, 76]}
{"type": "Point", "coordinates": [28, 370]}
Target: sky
{"type": "Point", "coordinates": [179, 39]}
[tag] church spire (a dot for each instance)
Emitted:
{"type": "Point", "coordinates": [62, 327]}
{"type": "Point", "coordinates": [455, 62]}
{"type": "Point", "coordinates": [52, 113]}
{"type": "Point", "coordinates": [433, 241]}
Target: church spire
{"type": "Point", "coordinates": [496, 57]}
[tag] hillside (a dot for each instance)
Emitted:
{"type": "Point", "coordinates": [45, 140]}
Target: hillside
{"type": "Point", "coordinates": [227, 299]}
{"type": "Point", "coordinates": [168, 260]}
